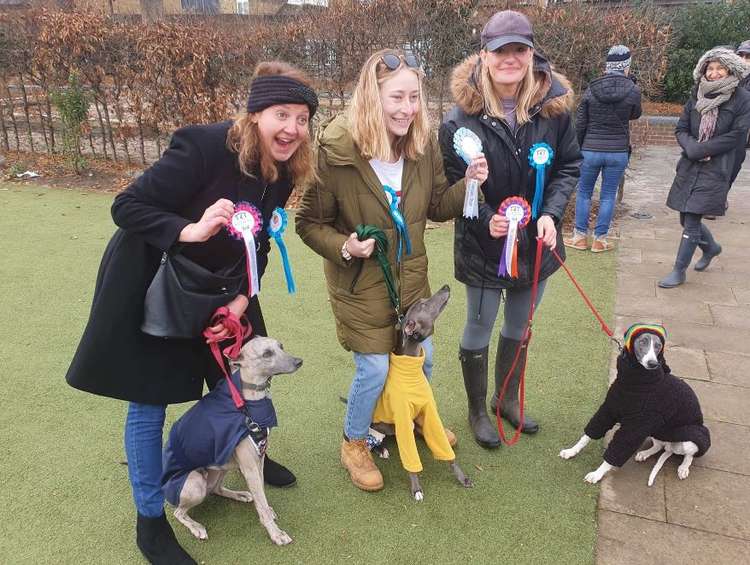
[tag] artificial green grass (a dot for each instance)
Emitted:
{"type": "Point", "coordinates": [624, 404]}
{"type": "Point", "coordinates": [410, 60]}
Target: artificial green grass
{"type": "Point", "coordinates": [66, 497]}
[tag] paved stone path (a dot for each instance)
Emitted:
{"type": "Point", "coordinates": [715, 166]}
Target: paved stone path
{"type": "Point", "coordinates": [706, 518]}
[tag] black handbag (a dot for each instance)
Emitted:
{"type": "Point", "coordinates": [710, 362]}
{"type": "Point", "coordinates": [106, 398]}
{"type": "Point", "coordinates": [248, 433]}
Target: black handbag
{"type": "Point", "coordinates": [183, 295]}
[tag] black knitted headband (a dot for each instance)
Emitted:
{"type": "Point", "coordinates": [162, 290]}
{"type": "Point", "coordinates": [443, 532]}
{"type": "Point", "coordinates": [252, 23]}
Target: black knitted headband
{"type": "Point", "coordinates": [269, 90]}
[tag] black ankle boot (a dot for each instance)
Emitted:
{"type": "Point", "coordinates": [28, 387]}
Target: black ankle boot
{"type": "Point", "coordinates": [158, 544]}
{"type": "Point", "coordinates": [709, 247]}
{"type": "Point", "coordinates": [474, 368]}
{"type": "Point", "coordinates": [510, 409]}
{"type": "Point", "coordinates": [681, 263]}
{"type": "Point", "coordinates": [277, 475]}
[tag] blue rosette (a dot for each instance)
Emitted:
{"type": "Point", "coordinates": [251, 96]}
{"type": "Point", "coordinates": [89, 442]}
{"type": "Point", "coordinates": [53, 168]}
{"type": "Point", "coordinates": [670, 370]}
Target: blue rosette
{"type": "Point", "coordinates": [540, 157]}
{"type": "Point", "coordinates": [276, 226]}
{"type": "Point", "coordinates": [398, 219]}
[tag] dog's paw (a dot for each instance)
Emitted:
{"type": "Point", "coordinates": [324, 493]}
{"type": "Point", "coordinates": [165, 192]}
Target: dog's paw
{"type": "Point", "coordinates": [198, 531]}
{"type": "Point", "coordinates": [467, 482]}
{"type": "Point", "coordinates": [642, 455]}
{"type": "Point", "coordinates": [419, 496]}
{"type": "Point", "coordinates": [683, 472]}
{"type": "Point", "coordinates": [280, 537]}
{"type": "Point", "coordinates": [244, 496]}
{"type": "Point", "coordinates": [593, 477]}
{"type": "Point", "coordinates": [568, 453]}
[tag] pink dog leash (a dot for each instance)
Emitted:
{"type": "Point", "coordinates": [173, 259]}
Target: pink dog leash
{"type": "Point", "coordinates": [238, 329]}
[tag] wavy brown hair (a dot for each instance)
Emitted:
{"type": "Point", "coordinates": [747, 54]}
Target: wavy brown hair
{"type": "Point", "coordinates": [244, 139]}
{"type": "Point", "coordinates": [367, 118]}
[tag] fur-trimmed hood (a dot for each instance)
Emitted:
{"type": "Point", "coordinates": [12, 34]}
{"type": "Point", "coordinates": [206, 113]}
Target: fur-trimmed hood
{"type": "Point", "coordinates": [728, 58]}
{"type": "Point", "coordinates": [555, 98]}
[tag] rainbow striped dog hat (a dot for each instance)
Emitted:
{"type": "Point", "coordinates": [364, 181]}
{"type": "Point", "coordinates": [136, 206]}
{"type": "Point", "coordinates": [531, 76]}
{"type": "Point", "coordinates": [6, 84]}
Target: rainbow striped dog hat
{"type": "Point", "coordinates": [636, 329]}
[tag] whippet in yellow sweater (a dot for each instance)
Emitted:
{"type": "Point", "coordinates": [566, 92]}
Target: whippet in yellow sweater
{"type": "Point", "coordinates": [407, 396]}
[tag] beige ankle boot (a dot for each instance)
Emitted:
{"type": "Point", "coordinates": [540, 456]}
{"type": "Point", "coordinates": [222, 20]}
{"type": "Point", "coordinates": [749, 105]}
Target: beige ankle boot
{"type": "Point", "coordinates": [357, 459]}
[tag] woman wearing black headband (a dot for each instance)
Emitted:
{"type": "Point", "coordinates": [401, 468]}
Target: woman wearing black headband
{"type": "Point", "coordinates": [188, 197]}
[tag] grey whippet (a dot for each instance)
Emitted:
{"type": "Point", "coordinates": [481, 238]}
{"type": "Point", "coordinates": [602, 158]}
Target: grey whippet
{"type": "Point", "coordinates": [260, 359]}
{"type": "Point", "coordinates": [418, 324]}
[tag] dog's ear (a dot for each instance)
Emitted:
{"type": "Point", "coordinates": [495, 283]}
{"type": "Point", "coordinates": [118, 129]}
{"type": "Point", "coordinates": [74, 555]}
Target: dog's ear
{"type": "Point", "coordinates": [410, 327]}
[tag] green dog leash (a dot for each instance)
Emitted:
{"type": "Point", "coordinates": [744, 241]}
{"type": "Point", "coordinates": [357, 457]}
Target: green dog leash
{"type": "Point", "coordinates": [367, 231]}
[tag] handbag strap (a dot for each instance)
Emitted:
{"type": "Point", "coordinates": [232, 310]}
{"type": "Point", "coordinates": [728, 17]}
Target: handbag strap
{"type": "Point", "coordinates": [238, 329]}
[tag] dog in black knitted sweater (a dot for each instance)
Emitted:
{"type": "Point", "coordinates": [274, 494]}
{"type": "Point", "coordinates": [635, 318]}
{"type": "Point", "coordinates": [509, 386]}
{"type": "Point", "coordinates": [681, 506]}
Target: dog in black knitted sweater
{"type": "Point", "coordinates": [649, 402]}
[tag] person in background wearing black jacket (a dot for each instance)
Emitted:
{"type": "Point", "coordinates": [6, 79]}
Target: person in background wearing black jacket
{"type": "Point", "coordinates": [511, 99]}
{"type": "Point", "coordinates": [744, 52]}
{"type": "Point", "coordinates": [188, 197]}
{"type": "Point", "coordinates": [602, 125]}
{"type": "Point", "coordinates": [714, 122]}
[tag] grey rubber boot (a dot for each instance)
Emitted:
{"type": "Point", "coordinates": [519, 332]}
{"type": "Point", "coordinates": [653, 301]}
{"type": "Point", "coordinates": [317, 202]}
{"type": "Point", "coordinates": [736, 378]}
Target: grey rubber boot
{"type": "Point", "coordinates": [510, 408]}
{"type": "Point", "coordinates": [710, 249]}
{"type": "Point", "coordinates": [681, 263]}
{"type": "Point", "coordinates": [474, 368]}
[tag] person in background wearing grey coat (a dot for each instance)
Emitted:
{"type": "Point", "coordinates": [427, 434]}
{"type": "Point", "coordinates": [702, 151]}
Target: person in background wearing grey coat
{"type": "Point", "coordinates": [602, 125]}
{"type": "Point", "coordinates": [714, 121]}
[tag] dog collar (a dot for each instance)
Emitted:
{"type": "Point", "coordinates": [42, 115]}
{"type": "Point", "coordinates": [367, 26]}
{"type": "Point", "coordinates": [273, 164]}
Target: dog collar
{"type": "Point", "coordinates": [258, 388]}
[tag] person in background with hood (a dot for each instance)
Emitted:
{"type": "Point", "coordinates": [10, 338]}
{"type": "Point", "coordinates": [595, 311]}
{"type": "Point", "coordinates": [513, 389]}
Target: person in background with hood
{"type": "Point", "coordinates": [607, 106]}
{"type": "Point", "coordinates": [508, 95]}
{"type": "Point", "coordinates": [377, 165]}
{"type": "Point", "coordinates": [714, 122]}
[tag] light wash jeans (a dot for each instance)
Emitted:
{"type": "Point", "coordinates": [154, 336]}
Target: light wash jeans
{"type": "Point", "coordinates": [612, 166]}
{"type": "Point", "coordinates": [143, 443]}
{"type": "Point", "coordinates": [371, 370]}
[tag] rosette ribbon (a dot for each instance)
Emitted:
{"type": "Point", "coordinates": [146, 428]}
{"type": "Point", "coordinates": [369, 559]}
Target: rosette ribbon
{"type": "Point", "coordinates": [518, 212]}
{"type": "Point", "coordinates": [276, 227]}
{"type": "Point", "coordinates": [394, 199]}
{"type": "Point", "coordinates": [245, 224]}
{"type": "Point", "coordinates": [467, 146]}
{"type": "Point", "coordinates": [540, 157]}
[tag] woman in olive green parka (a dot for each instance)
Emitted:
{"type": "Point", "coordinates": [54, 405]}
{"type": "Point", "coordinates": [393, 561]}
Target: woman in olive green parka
{"type": "Point", "coordinates": [383, 141]}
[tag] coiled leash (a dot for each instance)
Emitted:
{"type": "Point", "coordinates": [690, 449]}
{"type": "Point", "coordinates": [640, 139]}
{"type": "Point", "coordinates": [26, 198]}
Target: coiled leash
{"type": "Point", "coordinates": [526, 339]}
{"type": "Point", "coordinates": [367, 231]}
{"type": "Point", "coordinates": [238, 329]}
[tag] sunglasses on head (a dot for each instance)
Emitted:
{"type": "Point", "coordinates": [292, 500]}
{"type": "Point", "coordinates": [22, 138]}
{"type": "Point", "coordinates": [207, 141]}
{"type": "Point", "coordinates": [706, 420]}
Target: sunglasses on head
{"type": "Point", "coordinates": [393, 60]}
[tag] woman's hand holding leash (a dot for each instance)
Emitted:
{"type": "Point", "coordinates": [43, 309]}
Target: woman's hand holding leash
{"type": "Point", "coordinates": [236, 307]}
{"type": "Point", "coordinates": [214, 218]}
{"type": "Point", "coordinates": [546, 231]}
{"type": "Point", "coordinates": [477, 169]}
{"type": "Point", "coordinates": [361, 249]}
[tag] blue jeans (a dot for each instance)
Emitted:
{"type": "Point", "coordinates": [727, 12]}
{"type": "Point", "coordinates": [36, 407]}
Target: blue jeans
{"type": "Point", "coordinates": [371, 369]}
{"type": "Point", "coordinates": [143, 444]}
{"type": "Point", "coordinates": [612, 166]}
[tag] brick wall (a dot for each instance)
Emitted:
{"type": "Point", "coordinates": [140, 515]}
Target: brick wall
{"type": "Point", "coordinates": [653, 130]}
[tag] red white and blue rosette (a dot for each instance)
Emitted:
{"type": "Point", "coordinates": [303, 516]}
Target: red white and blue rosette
{"type": "Point", "coordinates": [245, 224]}
{"type": "Point", "coordinates": [540, 157]}
{"type": "Point", "coordinates": [276, 227]}
{"type": "Point", "coordinates": [518, 212]}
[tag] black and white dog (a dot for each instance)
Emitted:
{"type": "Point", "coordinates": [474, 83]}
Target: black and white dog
{"type": "Point", "coordinates": [648, 402]}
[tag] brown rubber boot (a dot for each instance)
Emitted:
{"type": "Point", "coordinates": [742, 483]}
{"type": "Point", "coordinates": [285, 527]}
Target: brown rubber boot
{"type": "Point", "coordinates": [356, 458]}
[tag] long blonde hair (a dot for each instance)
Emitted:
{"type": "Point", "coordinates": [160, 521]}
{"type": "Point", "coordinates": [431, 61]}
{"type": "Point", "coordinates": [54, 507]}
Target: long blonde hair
{"type": "Point", "coordinates": [244, 139]}
{"type": "Point", "coordinates": [367, 119]}
{"type": "Point", "coordinates": [527, 93]}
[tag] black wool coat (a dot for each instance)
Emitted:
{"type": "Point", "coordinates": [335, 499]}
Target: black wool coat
{"type": "Point", "coordinates": [476, 255]}
{"type": "Point", "coordinates": [700, 186]}
{"type": "Point", "coordinates": [115, 358]}
{"type": "Point", "coordinates": [647, 404]}
{"type": "Point", "coordinates": [603, 115]}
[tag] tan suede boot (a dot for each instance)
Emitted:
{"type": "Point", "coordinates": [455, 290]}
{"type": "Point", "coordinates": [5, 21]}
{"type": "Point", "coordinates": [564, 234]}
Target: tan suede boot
{"type": "Point", "coordinates": [356, 458]}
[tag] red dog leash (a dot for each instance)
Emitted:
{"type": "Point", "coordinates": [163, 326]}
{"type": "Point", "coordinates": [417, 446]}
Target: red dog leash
{"type": "Point", "coordinates": [527, 339]}
{"type": "Point", "coordinates": [238, 329]}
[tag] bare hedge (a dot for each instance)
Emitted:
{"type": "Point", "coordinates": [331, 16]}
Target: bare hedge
{"type": "Point", "coordinates": [145, 80]}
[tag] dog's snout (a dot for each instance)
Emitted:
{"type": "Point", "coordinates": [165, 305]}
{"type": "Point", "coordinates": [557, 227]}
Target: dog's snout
{"type": "Point", "coordinates": [652, 364]}
{"type": "Point", "coordinates": [297, 362]}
